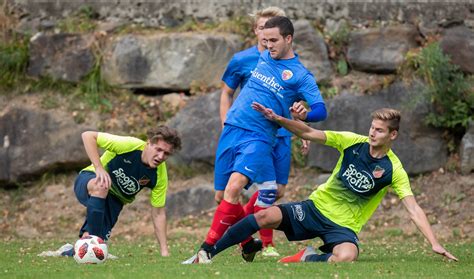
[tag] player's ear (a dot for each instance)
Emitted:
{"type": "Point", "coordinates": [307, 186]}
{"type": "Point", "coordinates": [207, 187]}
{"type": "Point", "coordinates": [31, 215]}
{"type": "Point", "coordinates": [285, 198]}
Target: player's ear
{"type": "Point", "coordinates": [393, 134]}
{"type": "Point", "coordinates": [289, 39]}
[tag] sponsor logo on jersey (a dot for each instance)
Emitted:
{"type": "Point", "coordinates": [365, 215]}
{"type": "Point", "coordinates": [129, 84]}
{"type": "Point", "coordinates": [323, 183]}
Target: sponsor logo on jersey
{"type": "Point", "coordinates": [268, 82]}
{"type": "Point", "coordinates": [359, 181]}
{"type": "Point", "coordinates": [286, 74]}
{"type": "Point", "coordinates": [128, 185]}
{"type": "Point", "coordinates": [144, 180]}
{"type": "Point", "coordinates": [378, 171]}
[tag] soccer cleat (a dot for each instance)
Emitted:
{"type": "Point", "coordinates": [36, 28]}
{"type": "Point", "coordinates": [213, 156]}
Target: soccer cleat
{"type": "Point", "coordinates": [65, 250]}
{"type": "Point", "coordinates": [203, 257]}
{"type": "Point", "coordinates": [190, 260]}
{"type": "Point", "coordinates": [298, 257]}
{"type": "Point", "coordinates": [250, 249]}
{"type": "Point", "coordinates": [270, 251]}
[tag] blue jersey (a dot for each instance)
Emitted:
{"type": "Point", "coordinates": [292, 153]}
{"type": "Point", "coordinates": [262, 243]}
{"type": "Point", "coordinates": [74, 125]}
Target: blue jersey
{"type": "Point", "coordinates": [239, 69]}
{"type": "Point", "coordinates": [276, 84]}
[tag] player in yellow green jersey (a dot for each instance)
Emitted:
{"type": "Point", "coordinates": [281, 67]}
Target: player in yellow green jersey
{"type": "Point", "coordinates": [127, 166]}
{"type": "Point", "coordinates": [337, 210]}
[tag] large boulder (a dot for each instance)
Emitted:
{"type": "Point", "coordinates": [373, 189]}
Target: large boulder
{"type": "Point", "coordinates": [34, 141]}
{"type": "Point", "coordinates": [190, 201]}
{"type": "Point", "coordinates": [419, 147]}
{"type": "Point", "coordinates": [381, 50]}
{"type": "Point", "coordinates": [312, 50]}
{"type": "Point", "coordinates": [199, 125]}
{"type": "Point", "coordinates": [458, 43]}
{"type": "Point", "coordinates": [467, 150]}
{"type": "Point", "coordinates": [67, 57]}
{"type": "Point", "coordinates": [168, 60]}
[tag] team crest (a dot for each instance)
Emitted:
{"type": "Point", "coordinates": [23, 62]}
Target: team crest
{"type": "Point", "coordinates": [378, 172]}
{"type": "Point", "coordinates": [144, 181]}
{"type": "Point", "coordinates": [286, 74]}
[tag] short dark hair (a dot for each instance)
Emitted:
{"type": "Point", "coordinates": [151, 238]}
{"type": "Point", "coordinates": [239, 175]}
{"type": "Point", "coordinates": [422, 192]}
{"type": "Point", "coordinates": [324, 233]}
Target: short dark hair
{"type": "Point", "coordinates": [165, 133]}
{"type": "Point", "coordinates": [282, 23]}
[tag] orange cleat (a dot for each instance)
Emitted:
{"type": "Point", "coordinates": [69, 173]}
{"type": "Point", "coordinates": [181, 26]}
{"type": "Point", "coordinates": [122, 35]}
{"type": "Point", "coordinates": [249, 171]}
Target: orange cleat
{"type": "Point", "coordinates": [298, 257]}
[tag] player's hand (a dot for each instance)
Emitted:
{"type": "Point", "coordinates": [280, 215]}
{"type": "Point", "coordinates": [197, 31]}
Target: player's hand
{"type": "Point", "coordinates": [305, 145]}
{"type": "Point", "coordinates": [268, 113]}
{"type": "Point", "coordinates": [298, 111]}
{"type": "Point", "coordinates": [438, 249]}
{"type": "Point", "coordinates": [103, 178]}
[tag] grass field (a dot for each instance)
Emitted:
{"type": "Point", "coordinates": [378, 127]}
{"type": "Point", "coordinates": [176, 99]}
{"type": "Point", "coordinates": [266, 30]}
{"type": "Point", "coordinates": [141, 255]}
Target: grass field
{"type": "Point", "coordinates": [410, 258]}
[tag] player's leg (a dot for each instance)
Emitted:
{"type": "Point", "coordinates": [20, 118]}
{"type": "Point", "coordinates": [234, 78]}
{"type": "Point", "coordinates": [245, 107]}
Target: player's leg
{"type": "Point", "coordinates": [93, 197]}
{"type": "Point", "coordinates": [269, 218]}
{"type": "Point", "coordinates": [267, 194]}
{"type": "Point", "coordinates": [249, 207]}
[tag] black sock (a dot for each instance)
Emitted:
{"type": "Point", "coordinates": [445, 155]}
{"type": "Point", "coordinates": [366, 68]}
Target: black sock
{"type": "Point", "coordinates": [318, 258]}
{"type": "Point", "coordinates": [236, 234]}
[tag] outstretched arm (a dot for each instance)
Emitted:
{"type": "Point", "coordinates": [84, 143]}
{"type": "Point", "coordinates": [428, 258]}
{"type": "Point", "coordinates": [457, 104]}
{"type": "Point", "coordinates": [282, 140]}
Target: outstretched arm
{"type": "Point", "coordinates": [227, 98]}
{"type": "Point", "coordinates": [296, 127]}
{"type": "Point", "coordinates": [158, 215]}
{"type": "Point", "coordinates": [418, 216]}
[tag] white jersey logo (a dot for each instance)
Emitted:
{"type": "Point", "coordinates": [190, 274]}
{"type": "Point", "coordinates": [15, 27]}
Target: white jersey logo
{"type": "Point", "coordinates": [359, 181]}
{"type": "Point", "coordinates": [128, 185]}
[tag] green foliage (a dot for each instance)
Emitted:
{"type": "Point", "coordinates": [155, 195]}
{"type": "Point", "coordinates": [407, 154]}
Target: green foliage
{"type": "Point", "coordinates": [13, 62]}
{"type": "Point", "coordinates": [342, 67]}
{"type": "Point", "coordinates": [83, 21]}
{"type": "Point", "coordinates": [94, 87]}
{"type": "Point", "coordinates": [449, 92]}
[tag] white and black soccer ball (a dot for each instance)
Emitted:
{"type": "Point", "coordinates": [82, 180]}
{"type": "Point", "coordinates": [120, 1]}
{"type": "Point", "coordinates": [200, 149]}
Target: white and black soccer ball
{"type": "Point", "coordinates": [90, 249]}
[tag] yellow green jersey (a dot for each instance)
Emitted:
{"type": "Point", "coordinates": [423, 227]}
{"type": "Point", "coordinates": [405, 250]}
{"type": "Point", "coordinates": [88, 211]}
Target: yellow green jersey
{"type": "Point", "coordinates": [359, 181]}
{"type": "Point", "coordinates": [129, 175]}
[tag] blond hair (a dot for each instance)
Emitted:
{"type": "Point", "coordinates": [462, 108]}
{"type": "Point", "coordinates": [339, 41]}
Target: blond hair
{"type": "Point", "coordinates": [267, 12]}
{"type": "Point", "coordinates": [391, 116]}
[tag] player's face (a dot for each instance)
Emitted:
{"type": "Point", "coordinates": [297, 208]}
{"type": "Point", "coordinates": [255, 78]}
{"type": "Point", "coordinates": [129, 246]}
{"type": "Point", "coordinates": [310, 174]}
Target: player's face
{"type": "Point", "coordinates": [380, 135]}
{"type": "Point", "coordinates": [156, 153]}
{"type": "Point", "coordinates": [278, 46]}
{"type": "Point", "coordinates": [259, 31]}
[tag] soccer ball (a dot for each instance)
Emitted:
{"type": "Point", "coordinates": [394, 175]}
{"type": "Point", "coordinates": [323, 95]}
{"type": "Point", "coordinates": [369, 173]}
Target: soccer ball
{"type": "Point", "coordinates": [90, 249]}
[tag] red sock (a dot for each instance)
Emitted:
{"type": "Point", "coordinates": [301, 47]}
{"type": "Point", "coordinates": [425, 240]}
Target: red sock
{"type": "Point", "coordinates": [266, 235]}
{"type": "Point", "coordinates": [225, 216]}
{"type": "Point", "coordinates": [249, 207]}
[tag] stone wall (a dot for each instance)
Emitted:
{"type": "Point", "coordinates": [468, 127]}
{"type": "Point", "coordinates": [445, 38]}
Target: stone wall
{"type": "Point", "coordinates": [173, 13]}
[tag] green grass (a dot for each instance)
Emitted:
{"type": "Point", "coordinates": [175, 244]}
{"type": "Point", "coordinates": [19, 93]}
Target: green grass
{"type": "Point", "coordinates": [140, 259]}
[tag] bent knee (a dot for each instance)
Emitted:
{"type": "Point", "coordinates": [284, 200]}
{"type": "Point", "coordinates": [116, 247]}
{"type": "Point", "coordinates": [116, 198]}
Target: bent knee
{"type": "Point", "coordinates": [345, 252]}
{"type": "Point", "coordinates": [96, 191]}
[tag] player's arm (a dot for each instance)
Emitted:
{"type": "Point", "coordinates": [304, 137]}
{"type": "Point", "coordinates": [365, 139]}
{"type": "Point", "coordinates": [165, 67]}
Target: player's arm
{"type": "Point", "coordinates": [89, 138]}
{"type": "Point", "coordinates": [227, 98]}
{"type": "Point", "coordinates": [158, 215]}
{"type": "Point", "coordinates": [418, 216]}
{"type": "Point", "coordinates": [296, 127]}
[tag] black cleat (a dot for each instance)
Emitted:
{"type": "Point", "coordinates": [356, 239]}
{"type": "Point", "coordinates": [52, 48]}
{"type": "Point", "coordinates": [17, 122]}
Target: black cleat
{"type": "Point", "coordinates": [250, 249]}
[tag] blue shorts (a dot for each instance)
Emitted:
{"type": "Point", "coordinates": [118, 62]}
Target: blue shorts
{"type": "Point", "coordinates": [113, 206]}
{"type": "Point", "coordinates": [302, 220]}
{"type": "Point", "coordinates": [242, 151]}
{"type": "Point", "coordinates": [282, 159]}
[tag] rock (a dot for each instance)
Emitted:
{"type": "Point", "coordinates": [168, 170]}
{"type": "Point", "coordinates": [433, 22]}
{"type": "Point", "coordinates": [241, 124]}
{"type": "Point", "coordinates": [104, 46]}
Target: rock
{"type": "Point", "coordinates": [34, 141]}
{"type": "Point", "coordinates": [380, 50]}
{"type": "Point", "coordinates": [67, 57]}
{"type": "Point", "coordinates": [199, 125]}
{"type": "Point", "coordinates": [458, 43]}
{"type": "Point", "coordinates": [190, 201]}
{"type": "Point", "coordinates": [171, 61]}
{"type": "Point", "coordinates": [312, 50]}
{"type": "Point", "coordinates": [467, 150]}
{"type": "Point", "coordinates": [419, 147]}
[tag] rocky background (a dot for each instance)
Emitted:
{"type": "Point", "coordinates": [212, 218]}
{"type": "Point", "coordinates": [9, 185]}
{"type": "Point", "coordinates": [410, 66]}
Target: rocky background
{"type": "Point", "coordinates": [164, 61]}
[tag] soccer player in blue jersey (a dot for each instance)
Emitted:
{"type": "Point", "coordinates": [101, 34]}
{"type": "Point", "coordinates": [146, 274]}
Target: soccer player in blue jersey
{"type": "Point", "coordinates": [236, 75]}
{"type": "Point", "coordinates": [337, 210]}
{"type": "Point", "coordinates": [245, 147]}
{"type": "Point", "coordinates": [114, 179]}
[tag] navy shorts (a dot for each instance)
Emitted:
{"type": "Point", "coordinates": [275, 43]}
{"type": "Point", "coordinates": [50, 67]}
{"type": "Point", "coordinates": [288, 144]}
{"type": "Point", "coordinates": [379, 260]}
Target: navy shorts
{"type": "Point", "coordinates": [302, 220]}
{"type": "Point", "coordinates": [113, 206]}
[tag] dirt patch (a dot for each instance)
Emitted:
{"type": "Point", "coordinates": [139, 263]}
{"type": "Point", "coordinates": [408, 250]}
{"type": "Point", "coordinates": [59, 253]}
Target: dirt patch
{"type": "Point", "coordinates": [48, 209]}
